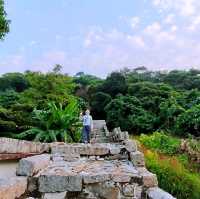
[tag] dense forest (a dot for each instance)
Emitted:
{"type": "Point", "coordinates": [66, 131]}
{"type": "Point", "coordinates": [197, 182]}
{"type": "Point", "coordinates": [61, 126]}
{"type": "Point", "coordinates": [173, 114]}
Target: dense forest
{"type": "Point", "coordinates": [139, 100]}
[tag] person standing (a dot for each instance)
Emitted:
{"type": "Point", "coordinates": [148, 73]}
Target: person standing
{"type": "Point", "coordinates": [87, 126]}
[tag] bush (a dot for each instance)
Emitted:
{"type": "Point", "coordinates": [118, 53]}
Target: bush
{"type": "Point", "coordinates": [173, 177]}
{"type": "Point", "coordinates": [161, 142]}
{"type": "Point", "coordinates": [7, 126]}
{"type": "Point", "coordinates": [189, 122]}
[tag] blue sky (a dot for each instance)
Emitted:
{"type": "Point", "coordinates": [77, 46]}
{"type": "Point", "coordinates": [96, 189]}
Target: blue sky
{"type": "Point", "coordinates": [99, 36]}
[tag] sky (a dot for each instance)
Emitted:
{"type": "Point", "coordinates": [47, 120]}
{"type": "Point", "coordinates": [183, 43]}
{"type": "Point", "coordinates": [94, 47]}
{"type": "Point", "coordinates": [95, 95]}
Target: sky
{"type": "Point", "coordinates": [101, 36]}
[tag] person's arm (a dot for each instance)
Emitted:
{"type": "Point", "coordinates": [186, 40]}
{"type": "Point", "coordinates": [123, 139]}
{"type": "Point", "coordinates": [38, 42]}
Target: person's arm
{"type": "Point", "coordinates": [81, 117]}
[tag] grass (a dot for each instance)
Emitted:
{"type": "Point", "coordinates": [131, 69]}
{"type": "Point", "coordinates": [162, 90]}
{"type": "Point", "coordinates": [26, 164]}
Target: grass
{"type": "Point", "coordinates": [174, 170]}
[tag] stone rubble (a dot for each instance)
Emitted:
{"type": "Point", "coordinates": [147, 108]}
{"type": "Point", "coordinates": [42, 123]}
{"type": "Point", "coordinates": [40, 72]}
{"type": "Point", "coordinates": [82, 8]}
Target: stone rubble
{"type": "Point", "coordinates": [114, 170]}
{"type": "Point", "coordinates": [12, 188]}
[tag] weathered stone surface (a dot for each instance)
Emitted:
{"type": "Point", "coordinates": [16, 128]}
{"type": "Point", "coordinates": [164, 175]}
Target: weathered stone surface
{"type": "Point", "coordinates": [107, 190]}
{"type": "Point", "coordinates": [60, 177]}
{"type": "Point", "coordinates": [137, 158]}
{"type": "Point", "coordinates": [95, 178]}
{"type": "Point", "coordinates": [9, 145]}
{"type": "Point", "coordinates": [61, 195]}
{"type": "Point", "coordinates": [59, 183]}
{"type": "Point", "coordinates": [149, 179]}
{"type": "Point", "coordinates": [89, 171]}
{"type": "Point", "coordinates": [32, 184]}
{"type": "Point", "coordinates": [32, 165]}
{"type": "Point", "coordinates": [129, 189]}
{"type": "Point", "coordinates": [130, 145]}
{"type": "Point", "coordinates": [82, 149]}
{"type": "Point", "coordinates": [13, 187]}
{"type": "Point", "coordinates": [157, 193]}
{"type": "Point", "coordinates": [114, 149]}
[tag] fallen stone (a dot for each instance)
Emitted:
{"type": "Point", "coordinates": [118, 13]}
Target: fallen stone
{"type": "Point", "coordinates": [130, 145]}
{"type": "Point", "coordinates": [149, 179]}
{"type": "Point", "coordinates": [157, 193]}
{"type": "Point", "coordinates": [32, 165]}
{"type": "Point", "coordinates": [129, 190]}
{"type": "Point", "coordinates": [106, 190]}
{"type": "Point", "coordinates": [13, 187]}
{"type": "Point", "coordinates": [137, 158]}
{"type": "Point", "coordinates": [115, 149]}
{"type": "Point", "coordinates": [61, 195]}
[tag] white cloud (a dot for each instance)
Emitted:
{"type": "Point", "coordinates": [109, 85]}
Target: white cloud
{"type": "Point", "coordinates": [182, 7]}
{"type": "Point", "coordinates": [169, 19]}
{"type": "Point", "coordinates": [136, 41]}
{"type": "Point", "coordinates": [134, 21]}
{"type": "Point", "coordinates": [195, 24]}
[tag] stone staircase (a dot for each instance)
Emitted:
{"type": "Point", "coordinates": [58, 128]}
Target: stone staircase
{"type": "Point", "coordinates": [114, 169]}
{"type": "Point", "coordinates": [100, 132]}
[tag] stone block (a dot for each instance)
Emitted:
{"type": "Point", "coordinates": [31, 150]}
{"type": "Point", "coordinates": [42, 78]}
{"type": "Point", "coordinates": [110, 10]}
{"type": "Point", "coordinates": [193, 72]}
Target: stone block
{"type": "Point", "coordinates": [9, 145]}
{"type": "Point", "coordinates": [149, 179]}
{"type": "Point", "coordinates": [96, 178]}
{"type": "Point", "coordinates": [58, 183]}
{"type": "Point", "coordinates": [106, 190]}
{"type": "Point", "coordinates": [130, 145]}
{"type": "Point", "coordinates": [13, 187]}
{"type": "Point", "coordinates": [157, 193]}
{"type": "Point", "coordinates": [129, 190]}
{"type": "Point", "coordinates": [61, 195]}
{"type": "Point", "coordinates": [32, 165]}
{"type": "Point", "coordinates": [137, 158]}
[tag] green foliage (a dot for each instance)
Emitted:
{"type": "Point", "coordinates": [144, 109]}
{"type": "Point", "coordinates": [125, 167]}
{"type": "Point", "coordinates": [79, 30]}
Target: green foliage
{"type": "Point", "coordinates": [4, 23]}
{"type": "Point", "coordinates": [8, 98]}
{"type": "Point", "coordinates": [127, 112]}
{"type": "Point", "coordinates": [189, 122]}
{"type": "Point", "coordinates": [161, 142]}
{"type": "Point", "coordinates": [13, 81]}
{"type": "Point", "coordinates": [114, 84]}
{"type": "Point", "coordinates": [9, 126]}
{"type": "Point", "coordinates": [173, 177]}
{"type": "Point", "coordinates": [47, 87]}
{"type": "Point", "coordinates": [194, 143]}
{"type": "Point", "coordinates": [55, 123]}
{"type": "Point", "coordinates": [98, 103]}
{"type": "Point", "coordinates": [86, 80]}
{"type": "Point", "coordinates": [169, 111]}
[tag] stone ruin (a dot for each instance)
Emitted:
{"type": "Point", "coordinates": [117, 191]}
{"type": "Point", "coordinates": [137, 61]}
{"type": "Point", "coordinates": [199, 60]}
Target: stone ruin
{"type": "Point", "coordinates": [111, 167]}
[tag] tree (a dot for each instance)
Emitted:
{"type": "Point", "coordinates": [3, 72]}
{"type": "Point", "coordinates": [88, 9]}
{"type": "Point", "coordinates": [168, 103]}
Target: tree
{"type": "Point", "coordinates": [4, 23]}
{"type": "Point", "coordinates": [189, 122]}
{"type": "Point", "coordinates": [114, 84]}
{"type": "Point", "coordinates": [14, 81]}
{"type": "Point", "coordinates": [98, 103]}
{"type": "Point", "coordinates": [127, 113]}
{"type": "Point", "coordinates": [57, 68]}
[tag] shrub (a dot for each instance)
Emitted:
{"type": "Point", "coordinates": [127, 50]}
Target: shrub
{"type": "Point", "coordinates": [7, 126]}
{"type": "Point", "coordinates": [189, 122]}
{"type": "Point", "coordinates": [127, 112]}
{"type": "Point", "coordinates": [161, 142]}
{"type": "Point", "coordinates": [173, 177]}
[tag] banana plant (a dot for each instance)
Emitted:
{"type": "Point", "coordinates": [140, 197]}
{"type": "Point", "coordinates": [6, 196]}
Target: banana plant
{"type": "Point", "coordinates": [57, 123]}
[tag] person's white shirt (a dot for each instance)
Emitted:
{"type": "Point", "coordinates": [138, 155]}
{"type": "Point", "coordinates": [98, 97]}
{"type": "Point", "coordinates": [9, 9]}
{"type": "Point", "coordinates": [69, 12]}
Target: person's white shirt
{"type": "Point", "coordinates": [87, 120]}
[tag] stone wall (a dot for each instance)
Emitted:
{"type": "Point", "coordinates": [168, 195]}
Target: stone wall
{"type": "Point", "coordinates": [114, 170]}
{"type": "Point", "coordinates": [17, 149]}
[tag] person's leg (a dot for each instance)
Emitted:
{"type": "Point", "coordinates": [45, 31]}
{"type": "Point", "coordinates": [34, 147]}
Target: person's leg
{"type": "Point", "coordinates": [84, 134]}
{"type": "Point", "coordinates": [88, 133]}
